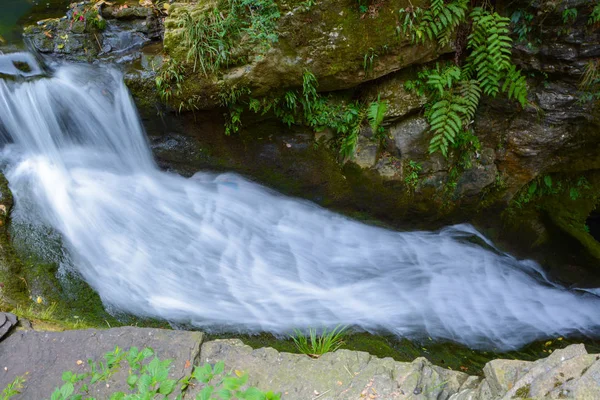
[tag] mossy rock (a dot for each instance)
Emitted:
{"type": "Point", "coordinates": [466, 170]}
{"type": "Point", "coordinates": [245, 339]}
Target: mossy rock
{"type": "Point", "coordinates": [333, 40]}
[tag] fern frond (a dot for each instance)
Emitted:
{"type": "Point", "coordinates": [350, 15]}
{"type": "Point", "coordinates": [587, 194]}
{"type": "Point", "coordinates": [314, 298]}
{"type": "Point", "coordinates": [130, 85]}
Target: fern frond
{"type": "Point", "coordinates": [376, 114]}
{"type": "Point", "coordinates": [515, 84]}
{"type": "Point", "coordinates": [491, 49]}
{"type": "Point", "coordinates": [470, 94]}
{"type": "Point", "coordinates": [445, 118]}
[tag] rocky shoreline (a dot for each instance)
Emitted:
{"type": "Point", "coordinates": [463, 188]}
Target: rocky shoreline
{"type": "Point", "coordinates": [569, 373]}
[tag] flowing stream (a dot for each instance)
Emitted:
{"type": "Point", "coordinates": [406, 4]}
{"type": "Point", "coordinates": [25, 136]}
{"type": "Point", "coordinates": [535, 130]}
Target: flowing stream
{"type": "Point", "coordinates": [220, 252]}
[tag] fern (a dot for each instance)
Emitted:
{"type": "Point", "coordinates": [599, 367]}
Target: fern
{"type": "Point", "coordinates": [471, 93]}
{"type": "Point", "coordinates": [491, 49]}
{"type": "Point", "coordinates": [515, 85]}
{"type": "Point", "coordinates": [442, 80]}
{"type": "Point", "coordinates": [376, 113]}
{"type": "Point", "coordinates": [437, 22]}
{"type": "Point", "coordinates": [446, 120]}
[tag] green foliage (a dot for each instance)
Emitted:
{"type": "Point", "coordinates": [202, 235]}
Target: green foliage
{"type": "Point", "coordinates": [569, 15]}
{"type": "Point", "coordinates": [411, 175]}
{"type": "Point", "coordinates": [546, 186]}
{"type": "Point", "coordinates": [438, 22]}
{"type": "Point", "coordinates": [594, 17]}
{"type": "Point", "coordinates": [169, 80]}
{"type": "Point", "coordinates": [148, 379]}
{"type": "Point", "coordinates": [454, 91]}
{"type": "Point", "coordinates": [230, 98]}
{"type": "Point", "coordinates": [521, 21]}
{"type": "Point", "coordinates": [491, 50]}
{"type": "Point", "coordinates": [368, 59]}
{"type": "Point", "coordinates": [590, 82]}
{"type": "Point", "coordinates": [304, 106]}
{"type": "Point", "coordinates": [308, 4]}
{"type": "Point", "coordinates": [376, 114]}
{"type": "Point", "coordinates": [13, 388]}
{"type": "Point", "coordinates": [316, 345]}
{"type": "Point", "coordinates": [363, 5]}
{"type": "Point", "coordinates": [211, 36]}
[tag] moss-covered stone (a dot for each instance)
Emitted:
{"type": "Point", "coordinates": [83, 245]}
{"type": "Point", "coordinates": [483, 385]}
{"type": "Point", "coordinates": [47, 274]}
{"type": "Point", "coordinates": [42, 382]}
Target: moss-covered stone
{"type": "Point", "coordinates": [332, 40]}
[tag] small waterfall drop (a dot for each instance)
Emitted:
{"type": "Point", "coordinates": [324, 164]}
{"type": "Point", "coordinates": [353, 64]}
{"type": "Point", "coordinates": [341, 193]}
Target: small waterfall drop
{"type": "Point", "coordinates": [218, 251]}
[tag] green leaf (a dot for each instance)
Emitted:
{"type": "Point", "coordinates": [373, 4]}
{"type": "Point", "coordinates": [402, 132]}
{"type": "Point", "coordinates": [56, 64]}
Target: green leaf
{"type": "Point", "coordinates": [167, 387]}
{"type": "Point", "coordinates": [224, 394]}
{"type": "Point", "coordinates": [205, 393]}
{"type": "Point", "coordinates": [219, 368]}
{"type": "Point", "coordinates": [131, 380]}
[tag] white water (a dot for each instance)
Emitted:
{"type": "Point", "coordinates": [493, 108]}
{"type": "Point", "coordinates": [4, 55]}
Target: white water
{"type": "Point", "coordinates": [219, 251]}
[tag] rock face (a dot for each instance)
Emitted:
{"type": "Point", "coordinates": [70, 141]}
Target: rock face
{"type": "Point", "coordinates": [331, 39]}
{"type": "Point", "coordinates": [569, 373]}
{"type": "Point", "coordinates": [76, 38]}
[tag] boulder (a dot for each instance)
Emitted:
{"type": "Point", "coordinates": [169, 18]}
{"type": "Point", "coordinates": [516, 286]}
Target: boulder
{"type": "Point", "coordinates": [333, 40]}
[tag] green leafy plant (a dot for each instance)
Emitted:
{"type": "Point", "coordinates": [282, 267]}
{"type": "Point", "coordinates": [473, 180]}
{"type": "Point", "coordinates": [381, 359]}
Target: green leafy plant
{"type": "Point", "coordinates": [170, 79]}
{"type": "Point", "coordinates": [13, 388]}
{"type": "Point", "coordinates": [411, 175]}
{"type": "Point", "coordinates": [304, 106]}
{"type": "Point", "coordinates": [454, 90]}
{"type": "Point", "coordinates": [376, 114]}
{"type": "Point", "coordinates": [93, 17]}
{"type": "Point", "coordinates": [230, 98]}
{"type": "Point", "coordinates": [594, 17]}
{"type": "Point", "coordinates": [521, 21]}
{"type": "Point", "coordinates": [315, 345]}
{"type": "Point", "coordinates": [590, 82]}
{"type": "Point", "coordinates": [148, 379]}
{"type": "Point", "coordinates": [211, 36]}
{"type": "Point", "coordinates": [569, 15]}
{"type": "Point", "coordinates": [438, 22]}
{"type": "Point", "coordinates": [369, 59]}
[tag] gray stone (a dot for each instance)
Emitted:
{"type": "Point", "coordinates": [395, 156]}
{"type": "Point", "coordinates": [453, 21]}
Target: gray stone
{"type": "Point", "coordinates": [366, 152]}
{"type": "Point", "coordinates": [44, 356]}
{"type": "Point", "coordinates": [409, 137]}
{"type": "Point", "coordinates": [7, 322]}
{"type": "Point", "coordinates": [392, 90]}
{"type": "Point", "coordinates": [340, 375]}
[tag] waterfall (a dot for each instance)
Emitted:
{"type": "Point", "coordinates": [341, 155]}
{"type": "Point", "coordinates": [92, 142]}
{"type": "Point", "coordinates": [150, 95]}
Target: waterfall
{"type": "Point", "coordinates": [221, 252]}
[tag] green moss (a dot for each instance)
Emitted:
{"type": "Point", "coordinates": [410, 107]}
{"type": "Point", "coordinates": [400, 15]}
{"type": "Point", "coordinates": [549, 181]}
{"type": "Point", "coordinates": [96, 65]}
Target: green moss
{"type": "Point", "coordinates": [522, 392]}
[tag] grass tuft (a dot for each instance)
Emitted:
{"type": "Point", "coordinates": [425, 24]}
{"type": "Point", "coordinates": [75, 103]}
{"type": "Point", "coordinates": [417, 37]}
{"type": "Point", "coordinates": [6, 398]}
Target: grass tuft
{"type": "Point", "coordinates": [315, 345]}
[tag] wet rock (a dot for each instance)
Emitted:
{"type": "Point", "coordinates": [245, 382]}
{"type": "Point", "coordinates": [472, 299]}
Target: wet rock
{"type": "Point", "coordinates": [7, 322]}
{"type": "Point", "coordinates": [73, 38]}
{"type": "Point", "coordinates": [481, 174]}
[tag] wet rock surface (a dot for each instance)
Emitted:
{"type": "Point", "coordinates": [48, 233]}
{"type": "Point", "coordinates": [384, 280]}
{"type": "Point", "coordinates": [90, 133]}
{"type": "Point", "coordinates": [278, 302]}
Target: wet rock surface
{"type": "Point", "coordinates": [97, 32]}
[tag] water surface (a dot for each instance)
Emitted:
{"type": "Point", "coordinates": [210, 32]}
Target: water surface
{"type": "Point", "coordinates": [220, 252]}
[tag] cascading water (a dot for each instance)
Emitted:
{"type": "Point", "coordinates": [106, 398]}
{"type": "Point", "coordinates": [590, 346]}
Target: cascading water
{"type": "Point", "coordinates": [218, 251]}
